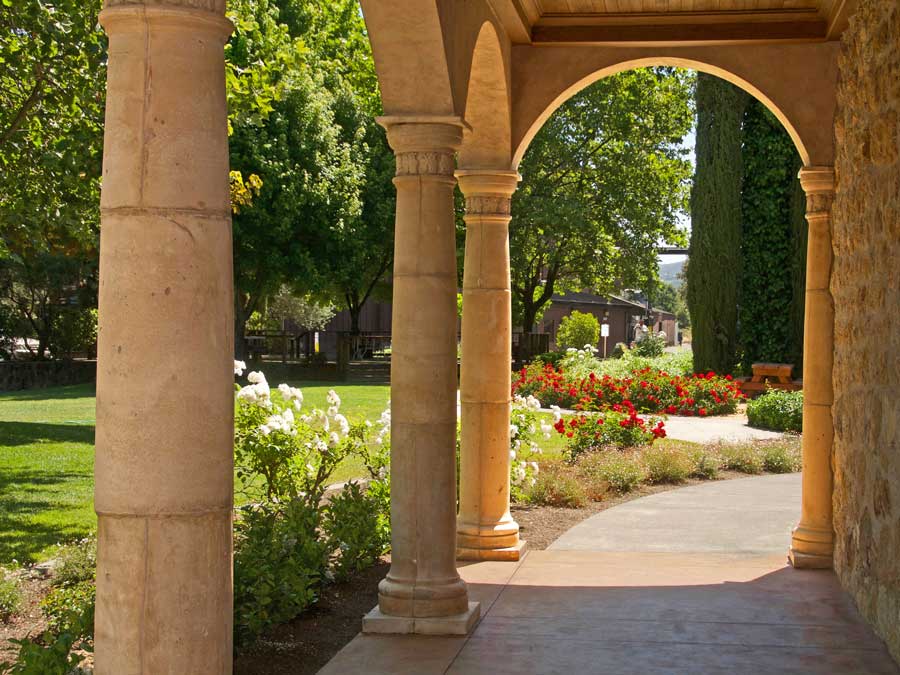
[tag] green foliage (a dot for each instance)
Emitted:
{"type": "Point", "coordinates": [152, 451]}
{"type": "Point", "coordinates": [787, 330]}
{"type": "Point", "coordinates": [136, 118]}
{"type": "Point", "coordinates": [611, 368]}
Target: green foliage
{"type": "Point", "coordinates": [743, 457]}
{"type": "Point", "coordinates": [550, 358]}
{"type": "Point", "coordinates": [358, 529]}
{"type": "Point", "coordinates": [715, 270]}
{"type": "Point", "coordinates": [622, 471]}
{"type": "Point", "coordinates": [650, 346]}
{"type": "Point", "coordinates": [70, 609]}
{"type": "Point", "coordinates": [557, 485]}
{"type": "Point", "coordinates": [777, 410]}
{"type": "Point", "coordinates": [279, 565]}
{"type": "Point", "coordinates": [667, 464]}
{"type": "Point", "coordinates": [74, 330]}
{"type": "Point", "coordinates": [604, 182]}
{"type": "Point", "coordinates": [578, 330]}
{"type": "Point", "coordinates": [10, 595]}
{"type": "Point", "coordinates": [781, 457]}
{"type": "Point", "coordinates": [76, 563]}
{"type": "Point", "coordinates": [769, 231]}
{"type": "Point", "coordinates": [50, 655]}
{"type": "Point", "coordinates": [705, 462]}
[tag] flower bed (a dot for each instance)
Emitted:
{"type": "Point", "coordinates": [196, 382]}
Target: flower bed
{"type": "Point", "coordinates": [646, 390]}
{"type": "Point", "coordinates": [621, 428]}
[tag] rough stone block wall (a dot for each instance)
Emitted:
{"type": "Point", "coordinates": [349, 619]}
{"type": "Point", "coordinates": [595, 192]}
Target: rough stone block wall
{"type": "Point", "coordinates": [866, 287]}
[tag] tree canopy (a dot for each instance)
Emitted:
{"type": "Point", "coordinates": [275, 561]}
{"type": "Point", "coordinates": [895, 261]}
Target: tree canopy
{"type": "Point", "coordinates": [604, 182]}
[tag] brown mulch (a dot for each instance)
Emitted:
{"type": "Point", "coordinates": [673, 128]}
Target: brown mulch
{"type": "Point", "coordinates": [29, 622]}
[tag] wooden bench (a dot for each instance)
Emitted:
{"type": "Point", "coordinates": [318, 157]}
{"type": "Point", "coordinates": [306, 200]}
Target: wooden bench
{"type": "Point", "coordinates": [770, 376]}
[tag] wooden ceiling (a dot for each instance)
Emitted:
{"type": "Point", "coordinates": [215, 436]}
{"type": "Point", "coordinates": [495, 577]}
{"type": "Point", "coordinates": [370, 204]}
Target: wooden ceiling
{"type": "Point", "coordinates": [672, 22]}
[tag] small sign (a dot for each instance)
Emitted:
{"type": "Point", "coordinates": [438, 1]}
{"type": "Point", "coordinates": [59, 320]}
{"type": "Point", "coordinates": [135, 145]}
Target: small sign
{"type": "Point", "coordinates": [604, 330]}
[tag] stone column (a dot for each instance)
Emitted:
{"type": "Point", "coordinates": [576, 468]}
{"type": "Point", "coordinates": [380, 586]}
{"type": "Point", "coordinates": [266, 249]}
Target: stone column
{"type": "Point", "coordinates": [812, 539]}
{"type": "Point", "coordinates": [485, 528]}
{"type": "Point", "coordinates": [423, 593]}
{"type": "Point", "coordinates": [163, 469]}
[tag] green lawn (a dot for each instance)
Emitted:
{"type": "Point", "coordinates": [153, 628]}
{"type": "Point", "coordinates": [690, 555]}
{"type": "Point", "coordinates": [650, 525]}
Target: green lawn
{"type": "Point", "coordinates": [47, 461]}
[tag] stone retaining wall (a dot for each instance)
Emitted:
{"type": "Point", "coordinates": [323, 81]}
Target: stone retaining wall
{"type": "Point", "coordinates": [17, 375]}
{"type": "Point", "coordinates": [866, 287]}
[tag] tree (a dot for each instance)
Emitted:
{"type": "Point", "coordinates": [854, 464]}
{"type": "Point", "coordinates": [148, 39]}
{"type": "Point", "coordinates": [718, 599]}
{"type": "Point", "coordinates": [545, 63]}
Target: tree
{"type": "Point", "coordinates": [603, 183]}
{"type": "Point", "coordinates": [578, 330]}
{"type": "Point", "coordinates": [771, 224]}
{"type": "Point", "coordinates": [715, 270]}
{"type": "Point", "coordinates": [309, 181]}
{"type": "Point", "coordinates": [52, 75]}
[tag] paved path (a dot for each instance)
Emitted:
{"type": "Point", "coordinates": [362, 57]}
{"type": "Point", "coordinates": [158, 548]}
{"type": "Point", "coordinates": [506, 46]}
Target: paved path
{"type": "Point", "coordinates": [708, 429]}
{"type": "Point", "coordinates": [691, 583]}
{"type": "Point", "coordinates": [746, 515]}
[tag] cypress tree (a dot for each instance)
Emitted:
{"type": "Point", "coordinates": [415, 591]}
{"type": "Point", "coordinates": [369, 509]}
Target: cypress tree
{"type": "Point", "coordinates": [772, 266]}
{"type": "Point", "coordinates": [714, 272]}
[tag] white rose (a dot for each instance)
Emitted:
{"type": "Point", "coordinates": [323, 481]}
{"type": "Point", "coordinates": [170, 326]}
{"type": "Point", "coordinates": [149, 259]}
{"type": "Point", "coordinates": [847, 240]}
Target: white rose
{"type": "Point", "coordinates": [239, 368]}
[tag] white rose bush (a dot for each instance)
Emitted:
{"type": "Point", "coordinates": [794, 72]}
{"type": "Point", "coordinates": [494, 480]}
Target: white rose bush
{"type": "Point", "coordinates": [525, 429]}
{"type": "Point", "coordinates": [290, 539]}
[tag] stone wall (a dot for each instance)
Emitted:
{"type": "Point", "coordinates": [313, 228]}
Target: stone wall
{"type": "Point", "coordinates": [866, 288]}
{"type": "Point", "coordinates": [17, 375]}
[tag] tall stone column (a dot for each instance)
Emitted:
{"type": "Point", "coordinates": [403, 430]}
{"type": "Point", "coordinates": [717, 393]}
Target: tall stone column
{"type": "Point", "coordinates": [812, 540]}
{"type": "Point", "coordinates": [423, 593]}
{"type": "Point", "coordinates": [485, 528]}
{"type": "Point", "coordinates": [163, 469]}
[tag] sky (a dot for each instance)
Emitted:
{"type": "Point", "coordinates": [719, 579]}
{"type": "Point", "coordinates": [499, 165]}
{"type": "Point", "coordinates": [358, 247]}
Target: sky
{"type": "Point", "coordinates": [689, 142]}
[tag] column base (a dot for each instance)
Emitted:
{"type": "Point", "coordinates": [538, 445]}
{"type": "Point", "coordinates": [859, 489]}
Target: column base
{"type": "Point", "coordinates": [504, 554]}
{"type": "Point", "coordinates": [377, 622]}
{"type": "Point", "coordinates": [811, 548]}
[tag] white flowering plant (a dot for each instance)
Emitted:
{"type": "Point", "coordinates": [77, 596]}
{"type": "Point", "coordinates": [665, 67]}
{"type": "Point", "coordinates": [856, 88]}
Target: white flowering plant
{"type": "Point", "coordinates": [525, 429]}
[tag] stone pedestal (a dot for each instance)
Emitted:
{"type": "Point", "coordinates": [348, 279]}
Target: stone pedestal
{"type": "Point", "coordinates": [423, 581]}
{"type": "Point", "coordinates": [163, 469]}
{"type": "Point", "coordinates": [485, 528]}
{"type": "Point", "coordinates": [812, 541]}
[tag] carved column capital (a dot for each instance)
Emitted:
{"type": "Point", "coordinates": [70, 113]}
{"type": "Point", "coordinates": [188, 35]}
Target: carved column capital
{"type": "Point", "coordinates": [122, 16]}
{"type": "Point", "coordinates": [818, 184]}
{"type": "Point", "coordinates": [424, 145]}
{"type": "Point", "coordinates": [488, 193]}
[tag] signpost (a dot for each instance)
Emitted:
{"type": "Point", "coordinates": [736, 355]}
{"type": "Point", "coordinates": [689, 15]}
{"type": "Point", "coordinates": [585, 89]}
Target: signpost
{"type": "Point", "coordinates": [604, 333]}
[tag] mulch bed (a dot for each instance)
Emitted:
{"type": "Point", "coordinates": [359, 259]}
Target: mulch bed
{"type": "Point", "coordinates": [29, 622]}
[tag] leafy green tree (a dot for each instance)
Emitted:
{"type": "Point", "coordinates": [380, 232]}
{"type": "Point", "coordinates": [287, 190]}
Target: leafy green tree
{"type": "Point", "coordinates": [52, 96]}
{"type": "Point", "coordinates": [771, 223]}
{"type": "Point", "coordinates": [715, 270]}
{"type": "Point", "coordinates": [603, 183]}
{"type": "Point", "coordinates": [578, 330]}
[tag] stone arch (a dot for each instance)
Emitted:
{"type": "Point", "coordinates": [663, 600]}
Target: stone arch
{"type": "Point", "coordinates": [488, 115]}
{"type": "Point", "coordinates": [780, 76]}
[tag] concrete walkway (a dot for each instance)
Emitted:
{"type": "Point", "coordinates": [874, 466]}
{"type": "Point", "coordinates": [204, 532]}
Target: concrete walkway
{"type": "Point", "coordinates": [688, 584]}
{"type": "Point", "coordinates": [720, 428]}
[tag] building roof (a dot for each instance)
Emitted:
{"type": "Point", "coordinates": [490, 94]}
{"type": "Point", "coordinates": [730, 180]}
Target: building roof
{"type": "Point", "coordinates": [597, 300]}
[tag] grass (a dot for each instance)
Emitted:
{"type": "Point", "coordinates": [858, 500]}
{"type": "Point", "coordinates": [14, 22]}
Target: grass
{"type": "Point", "coordinates": [47, 461]}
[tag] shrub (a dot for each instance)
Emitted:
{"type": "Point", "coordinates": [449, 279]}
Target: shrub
{"type": "Point", "coordinates": [743, 457]}
{"type": "Point", "coordinates": [523, 448]}
{"type": "Point", "coordinates": [357, 528]}
{"type": "Point", "coordinates": [549, 358]}
{"type": "Point", "coordinates": [577, 330]}
{"type": "Point", "coordinates": [781, 457]}
{"type": "Point", "coordinates": [777, 410]}
{"type": "Point", "coordinates": [620, 428]}
{"type": "Point", "coordinates": [557, 485]}
{"type": "Point", "coordinates": [705, 462]}
{"type": "Point", "coordinates": [280, 563]}
{"type": "Point", "coordinates": [651, 345]}
{"type": "Point", "coordinates": [70, 609]}
{"type": "Point", "coordinates": [667, 464]}
{"type": "Point", "coordinates": [10, 596]}
{"type": "Point", "coordinates": [621, 471]}
{"type": "Point", "coordinates": [76, 563]}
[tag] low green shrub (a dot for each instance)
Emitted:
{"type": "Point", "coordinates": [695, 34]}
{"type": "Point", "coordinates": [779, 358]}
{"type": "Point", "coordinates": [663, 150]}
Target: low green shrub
{"type": "Point", "coordinates": [578, 330]}
{"type": "Point", "coordinates": [667, 464]}
{"type": "Point", "coordinates": [549, 358]}
{"type": "Point", "coordinates": [76, 562]}
{"type": "Point", "coordinates": [68, 609]}
{"type": "Point", "coordinates": [557, 485]}
{"type": "Point", "coordinates": [621, 471]}
{"type": "Point", "coordinates": [612, 428]}
{"type": "Point", "coordinates": [49, 655]}
{"type": "Point", "coordinates": [781, 457]}
{"type": "Point", "coordinates": [358, 530]}
{"type": "Point", "coordinates": [743, 457]}
{"type": "Point", "coordinates": [10, 596]}
{"type": "Point", "coordinates": [777, 410]}
{"type": "Point", "coordinates": [651, 346]}
{"type": "Point", "coordinates": [705, 463]}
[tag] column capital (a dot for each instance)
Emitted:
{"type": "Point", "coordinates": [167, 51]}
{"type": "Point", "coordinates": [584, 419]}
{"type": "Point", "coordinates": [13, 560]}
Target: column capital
{"type": "Point", "coordinates": [488, 192]}
{"type": "Point", "coordinates": [818, 184]}
{"type": "Point", "coordinates": [199, 14]}
{"type": "Point", "coordinates": [424, 144]}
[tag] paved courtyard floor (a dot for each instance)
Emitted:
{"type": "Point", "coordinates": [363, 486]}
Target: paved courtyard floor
{"type": "Point", "coordinates": [688, 581]}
